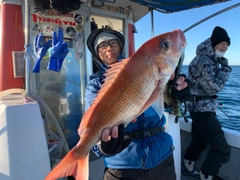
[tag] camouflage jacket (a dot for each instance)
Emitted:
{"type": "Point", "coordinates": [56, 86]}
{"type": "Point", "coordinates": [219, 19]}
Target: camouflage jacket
{"type": "Point", "coordinates": [207, 78]}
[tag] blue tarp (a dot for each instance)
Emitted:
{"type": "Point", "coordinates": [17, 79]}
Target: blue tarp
{"type": "Point", "coordinates": [170, 6]}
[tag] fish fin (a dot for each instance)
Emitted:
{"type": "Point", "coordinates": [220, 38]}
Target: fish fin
{"type": "Point", "coordinates": [158, 106]}
{"type": "Point", "coordinates": [156, 96]}
{"type": "Point", "coordinates": [111, 74]}
{"type": "Point", "coordinates": [70, 165]}
{"type": "Point", "coordinates": [154, 100]}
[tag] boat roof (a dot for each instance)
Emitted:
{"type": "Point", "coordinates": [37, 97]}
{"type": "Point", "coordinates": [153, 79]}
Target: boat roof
{"type": "Point", "coordinates": [141, 7]}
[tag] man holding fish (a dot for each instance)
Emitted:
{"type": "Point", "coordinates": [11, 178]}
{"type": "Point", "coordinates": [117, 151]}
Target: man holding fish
{"type": "Point", "coordinates": [145, 156]}
{"type": "Point", "coordinates": [124, 109]}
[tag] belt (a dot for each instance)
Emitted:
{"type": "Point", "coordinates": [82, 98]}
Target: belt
{"type": "Point", "coordinates": [197, 98]}
{"type": "Point", "coordinates": [144, 133]}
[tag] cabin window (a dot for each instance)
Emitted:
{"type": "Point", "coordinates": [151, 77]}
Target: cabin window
{"type": "Point", "coordinates": [63, 91]}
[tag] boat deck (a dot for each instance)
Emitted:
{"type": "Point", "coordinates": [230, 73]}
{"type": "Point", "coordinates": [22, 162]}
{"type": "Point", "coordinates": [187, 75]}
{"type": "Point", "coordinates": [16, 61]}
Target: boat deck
{"type": "Point", "coordinates": [228, 171]}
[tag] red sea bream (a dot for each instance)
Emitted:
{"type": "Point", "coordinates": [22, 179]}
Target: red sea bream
{"type": "Point", "coordinates": [130, 87]}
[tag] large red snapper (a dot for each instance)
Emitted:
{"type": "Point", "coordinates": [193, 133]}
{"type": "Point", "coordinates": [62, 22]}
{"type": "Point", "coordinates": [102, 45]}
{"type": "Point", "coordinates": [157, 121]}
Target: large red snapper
{"type": "Point", "coordinates": [130, 87]}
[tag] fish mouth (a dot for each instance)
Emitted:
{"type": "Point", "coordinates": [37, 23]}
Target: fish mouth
{"type": "Point", "coordinates": [173, 62]}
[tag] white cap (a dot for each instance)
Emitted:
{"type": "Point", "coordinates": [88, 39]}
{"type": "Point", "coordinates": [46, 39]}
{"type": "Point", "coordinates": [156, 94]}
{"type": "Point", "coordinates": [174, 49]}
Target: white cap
{"type": "Point", "coordinates": [103, 36]}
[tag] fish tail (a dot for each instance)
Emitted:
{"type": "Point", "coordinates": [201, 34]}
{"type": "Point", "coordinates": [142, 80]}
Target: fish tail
{"type": "Point", "coordinates": [70, 166]}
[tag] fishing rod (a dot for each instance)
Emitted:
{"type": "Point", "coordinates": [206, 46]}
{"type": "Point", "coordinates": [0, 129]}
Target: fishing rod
{"type": "Point", "coordinates": [230, 118]}
{"type": "Point", "coordinates": [179, 109]}
{"type": "Point", "coordinates": [211, 16]}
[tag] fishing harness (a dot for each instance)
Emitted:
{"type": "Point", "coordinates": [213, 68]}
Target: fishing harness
{"type": "Point", "coordinates": [144, 133]}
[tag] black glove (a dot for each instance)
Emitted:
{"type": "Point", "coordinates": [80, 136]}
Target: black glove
{"type": "Point", "coordinates": [115, 145]}
{"type": "Point", "coordinates": [223, 61]}
{"type": "Point", "coordinates": [184, 94]}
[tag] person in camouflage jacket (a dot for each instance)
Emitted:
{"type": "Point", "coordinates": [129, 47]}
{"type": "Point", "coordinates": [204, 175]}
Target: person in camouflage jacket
{"type": "Point", "coordinates": [208, 73]}
{"type": "Point", "coordinates": [207, 78]}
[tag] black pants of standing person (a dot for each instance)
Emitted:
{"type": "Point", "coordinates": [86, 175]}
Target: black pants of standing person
{"type": "Point", "coordinates": [207, 130]}
{"type": "Point", "coordinates": [164, 171]}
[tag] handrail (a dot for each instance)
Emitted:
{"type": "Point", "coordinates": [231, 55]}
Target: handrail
{"type": "Point", "coordinates": [27, 46]}
{"type": "Point", "coordinates": [211, 16]}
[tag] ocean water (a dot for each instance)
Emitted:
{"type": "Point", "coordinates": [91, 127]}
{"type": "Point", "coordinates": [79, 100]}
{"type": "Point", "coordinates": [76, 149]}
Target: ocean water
{"type": "Point", "coordinates": [229, 113]}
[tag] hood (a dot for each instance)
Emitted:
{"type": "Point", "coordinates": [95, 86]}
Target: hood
{"type": "Point", "coordinates": [205, 49]}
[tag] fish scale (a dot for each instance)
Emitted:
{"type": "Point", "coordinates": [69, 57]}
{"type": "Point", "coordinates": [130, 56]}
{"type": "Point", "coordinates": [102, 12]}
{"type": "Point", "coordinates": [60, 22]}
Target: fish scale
{"type": "Point", "coordinates": [131, 101]}
{"type": "Point", "coordinates": [130, 87]}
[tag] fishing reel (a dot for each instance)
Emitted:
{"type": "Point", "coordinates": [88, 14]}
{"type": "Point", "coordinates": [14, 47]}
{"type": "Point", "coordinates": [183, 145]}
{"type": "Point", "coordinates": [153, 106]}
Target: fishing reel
{"type": "Point", "coordinates": [179, 109]}
{"type": "Point", "coordinates": [175, 107]}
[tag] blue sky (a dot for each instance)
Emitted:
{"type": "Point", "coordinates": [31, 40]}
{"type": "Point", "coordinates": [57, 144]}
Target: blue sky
{"type": "Point", "coordinates": [229, 20]}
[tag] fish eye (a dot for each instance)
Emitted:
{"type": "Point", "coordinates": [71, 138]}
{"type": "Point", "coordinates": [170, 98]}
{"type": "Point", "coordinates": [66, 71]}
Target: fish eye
{"type": "Point", "coordinates": [165, 45]}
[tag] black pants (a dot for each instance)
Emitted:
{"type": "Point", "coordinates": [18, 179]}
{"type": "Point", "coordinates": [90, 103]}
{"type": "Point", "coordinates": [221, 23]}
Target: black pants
{"type": "Point", "coordinates": [207, 130]}
{"type": "Point", "coordinates": [164, 171]}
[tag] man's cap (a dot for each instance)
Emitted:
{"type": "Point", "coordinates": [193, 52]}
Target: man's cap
{"type": "Point", "coordinates": [219, 35]}
{"type": "Point", "coordinates": [99, 35]}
